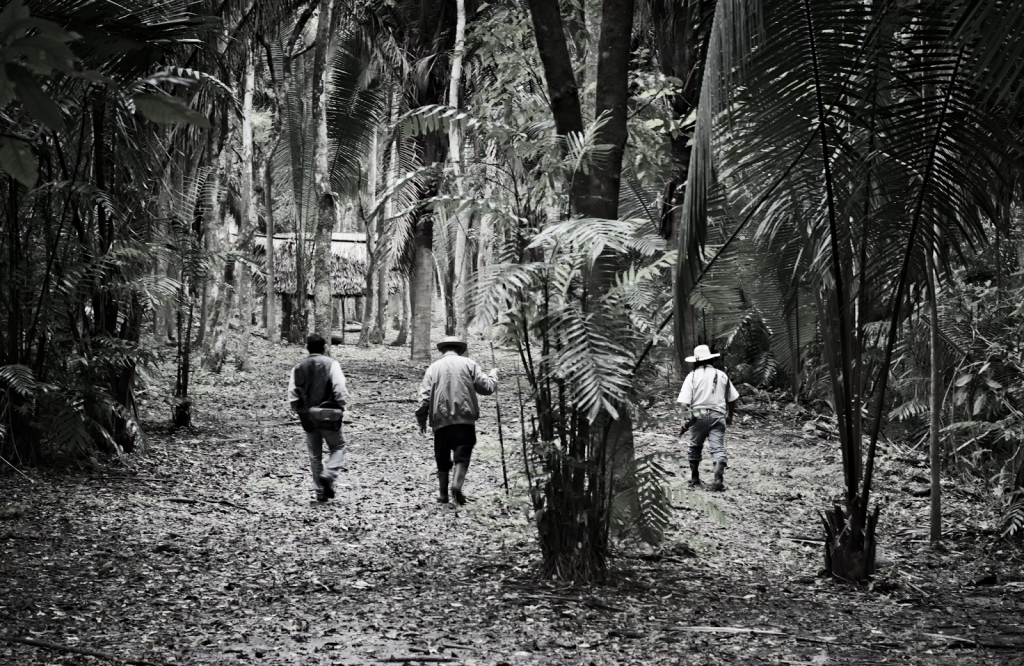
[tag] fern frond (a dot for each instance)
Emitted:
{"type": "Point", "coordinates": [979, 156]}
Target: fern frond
{"type": "Point", "coordinates": [19, 378]}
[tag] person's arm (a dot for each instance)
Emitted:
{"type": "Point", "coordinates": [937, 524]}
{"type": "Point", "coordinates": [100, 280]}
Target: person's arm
{"type": "Point", "coordinates": [684, 400]}
{"type": "Point", "coordinates": [338, 384]}
{"type": "Point", "coordinates": [686, 393]}
{"type": "Point", "coordinates": [294, 399]}
{"type": "Point", "coordinates": [484, 384]}
{"type": "Point", "coordinates": [731, 397]}
{"type": "Point", "coordinates": [423, 408]}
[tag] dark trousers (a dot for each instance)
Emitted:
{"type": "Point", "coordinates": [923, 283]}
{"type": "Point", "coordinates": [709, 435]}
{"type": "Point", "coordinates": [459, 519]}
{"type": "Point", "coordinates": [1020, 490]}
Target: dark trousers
{"type": "Point", "coordinates": [453, 445]}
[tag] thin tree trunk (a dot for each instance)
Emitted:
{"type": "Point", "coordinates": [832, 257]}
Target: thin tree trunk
{"type": "Point", "coordinates": [935, 392]}
{"type": "Point", "coordinates": [382, 303]}
{"type": "Point", "coordinates": [383, 267]}
{"type": "Point", "coordinates": [247, 223]}
{"type": "Point", "coordinates": [210, 210]}
{"type": "Point", "coordinates": [224, 301]}
{"type": "Point", "coordinates": [367, 334]}
{"type": "Point", "coordinates": [273, 330]}
{"type": "Point", "coordinates": [460, 273]}
{"type": "Point", "coordinates": [588, 93]}
{"type": "Point", "coordinates": [326, 203]}
{"type": "Point", "coordinates": [298, 309]}
{"type": "Point", "coordinates": [405, 309]}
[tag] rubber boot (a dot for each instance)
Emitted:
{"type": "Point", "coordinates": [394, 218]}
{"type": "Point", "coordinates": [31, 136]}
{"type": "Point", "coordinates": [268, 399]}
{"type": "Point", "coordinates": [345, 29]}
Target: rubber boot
{"type": "Point", "coordinates": [442, 482]}
{"type": "Point", "coordinates": [719, 483]}
{"type": "Point", "coordinates": [457, 481]}
{"type": "Point", "coordinates": [694, 474]}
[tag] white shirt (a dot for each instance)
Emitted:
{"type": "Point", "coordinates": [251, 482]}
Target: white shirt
{"type": "Point", "coordinates": [708, 388]}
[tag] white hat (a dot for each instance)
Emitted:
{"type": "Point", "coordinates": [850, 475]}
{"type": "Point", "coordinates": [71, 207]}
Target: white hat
{"type": "Point", "coordinates": [453, 341]}
{"type": "Point", "coordinates": [701, 353]}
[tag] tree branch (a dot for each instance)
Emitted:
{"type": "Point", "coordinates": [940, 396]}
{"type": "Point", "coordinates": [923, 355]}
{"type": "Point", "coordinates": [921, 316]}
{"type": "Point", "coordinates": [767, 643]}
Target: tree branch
{"type": "Point", "coordinates": [77, 650]}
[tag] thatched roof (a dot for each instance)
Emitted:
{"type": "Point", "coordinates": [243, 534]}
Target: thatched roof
{"type": "Point", "coordinates": [349, 261]}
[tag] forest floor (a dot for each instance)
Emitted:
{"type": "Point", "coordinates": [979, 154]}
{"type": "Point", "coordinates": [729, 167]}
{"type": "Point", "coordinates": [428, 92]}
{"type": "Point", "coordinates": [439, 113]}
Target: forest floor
{"type": "Point", "coordinates": [210, 550]}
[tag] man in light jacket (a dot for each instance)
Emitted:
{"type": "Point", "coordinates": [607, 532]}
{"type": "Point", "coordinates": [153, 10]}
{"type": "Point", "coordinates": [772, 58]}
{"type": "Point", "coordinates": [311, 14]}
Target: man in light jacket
{"type": "Point", "coordinates": [317, 385]}
{"type": "Point", "coordinates": [711, 398]}
{"type": "Point", "coordinates": [448, 403]}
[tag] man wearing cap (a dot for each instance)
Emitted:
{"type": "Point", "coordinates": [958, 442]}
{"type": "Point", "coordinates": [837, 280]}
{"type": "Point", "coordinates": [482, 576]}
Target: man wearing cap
{"type": "Point", "coordinates": [711, 398]}
{"type": "Point", "coordinates": [448, 403]}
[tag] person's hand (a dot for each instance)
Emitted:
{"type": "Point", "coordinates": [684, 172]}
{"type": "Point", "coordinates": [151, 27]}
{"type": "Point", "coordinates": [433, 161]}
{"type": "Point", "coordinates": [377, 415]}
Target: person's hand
{"type": "Point", "coordinates": [494, 373]}
{"type": "Point", "coordinates": [728, 420]}
{"type": "Point", "coordinates": [423, 430]}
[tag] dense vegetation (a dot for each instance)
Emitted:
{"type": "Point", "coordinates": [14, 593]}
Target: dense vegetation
{"type": "Point", "coordinates": [825, 191]}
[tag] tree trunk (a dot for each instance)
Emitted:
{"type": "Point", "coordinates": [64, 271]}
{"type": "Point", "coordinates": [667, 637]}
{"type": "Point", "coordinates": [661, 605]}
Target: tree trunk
{"type": "Point", "coordinates": [592, 22]}
{"type": "Point", "coordinates": [273, 329]}
{"type": "Point", "coordinates": [224, 302]}
{"type": "Point", "coordinates": [383, 266]}
{"type": "Point", "coordinates": [406, 309]}
{"type": "Point", "coordinates": [162, 314]}
{"type": "Point", "coordinates": [367, 333]}
{"type": "Point", "coordinates": [326, 203]}
{"type": "Point", "coordinates": [297, 326]}
{"type": "Point", "coordinates": [247, 223]}
{"type": "Point", "coordinates": [460, 221]}
{"type": "Point", "coordinates": [381, 328]}
{"type": "Point", "coordinates": [935, 391]}
{"type": "Point", "coordinates": [222, 327]}
{"type": "Point", "coordinates": [594, 196]}
{"type": "Point", "coordinates": [422, 287]}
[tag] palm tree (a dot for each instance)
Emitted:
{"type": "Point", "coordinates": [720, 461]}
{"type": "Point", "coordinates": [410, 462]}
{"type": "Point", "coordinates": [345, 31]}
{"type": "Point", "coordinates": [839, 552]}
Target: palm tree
{"type": "Point", "coordinates": [74, 305]}
{"type": "Point", "coordinates": [852, 134]}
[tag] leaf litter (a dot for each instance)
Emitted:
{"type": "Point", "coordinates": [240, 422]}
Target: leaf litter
{"type": "Point", "coordinates": [210, 550]}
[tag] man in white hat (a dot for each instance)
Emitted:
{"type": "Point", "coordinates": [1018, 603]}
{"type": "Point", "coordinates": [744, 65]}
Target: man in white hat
{"type": "Point", "coordinates": [711, 398]}
{"type": "Point", "coordinates": [448, 403]}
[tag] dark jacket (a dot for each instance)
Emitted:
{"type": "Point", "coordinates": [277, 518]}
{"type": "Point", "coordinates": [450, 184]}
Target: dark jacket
{"type": "Point", "coordinates": [316, 381]}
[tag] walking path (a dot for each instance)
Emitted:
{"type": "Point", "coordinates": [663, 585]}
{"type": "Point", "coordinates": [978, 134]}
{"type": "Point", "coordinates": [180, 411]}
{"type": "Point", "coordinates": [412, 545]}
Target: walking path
{"type": "Point", "coordinates": [210, 551]}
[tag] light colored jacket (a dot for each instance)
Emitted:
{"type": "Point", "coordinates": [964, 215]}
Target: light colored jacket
{"type": "Point", "coordinates": [449, 388]}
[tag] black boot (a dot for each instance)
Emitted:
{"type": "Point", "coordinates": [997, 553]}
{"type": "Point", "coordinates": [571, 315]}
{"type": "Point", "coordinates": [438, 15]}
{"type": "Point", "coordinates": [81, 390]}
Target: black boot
{"type": "Point", "coordinates": [694, 474]}
{"type": "Point", "coordinates": [460, 477]}
{"type": "Point", "coordinates": [719, 483]}
{"type": "Point", "coordinates": [442, 483]}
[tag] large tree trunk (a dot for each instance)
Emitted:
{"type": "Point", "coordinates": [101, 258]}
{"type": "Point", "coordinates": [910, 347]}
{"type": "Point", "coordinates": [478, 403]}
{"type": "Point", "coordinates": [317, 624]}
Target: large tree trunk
{"type": "Point", "coordinates": [422, 287]}
{"type": "Point", "coordinates": [247, 222]}
{"type": "Point", "coordinates": [603, 198]}
{"type": "Point", "coordinates": [422, 294]}
{"type": "Point", "coordinates": [326, 203]}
